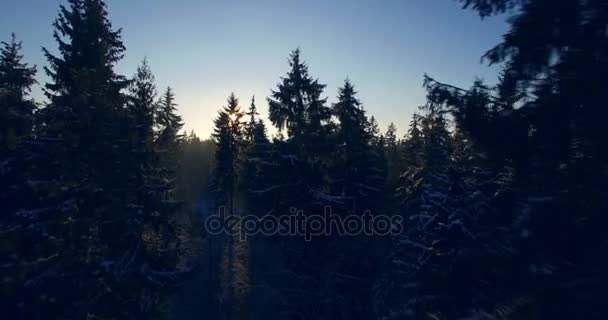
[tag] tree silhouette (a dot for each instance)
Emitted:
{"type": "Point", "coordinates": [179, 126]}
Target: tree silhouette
{"type": "Point", "coordinates": [16, 79]}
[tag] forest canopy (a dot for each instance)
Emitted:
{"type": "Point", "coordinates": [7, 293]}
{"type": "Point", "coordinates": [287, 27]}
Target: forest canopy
{"type": "Point", "coordinates": [502, 189]}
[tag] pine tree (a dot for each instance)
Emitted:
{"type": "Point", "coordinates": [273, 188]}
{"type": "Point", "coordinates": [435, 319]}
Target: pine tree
{"type": "Point", "coordinates": [297, 106]}
{"type": "Point", "coordinates": [86, 119]}
{"type": "Point", "coordinates": [356, 173]}
{"type": "Point", "coordinates": [373, 130]}
{"type": "Point", "coordinates": [22, 194]}
{"type": "Point", "coordinates": [357, 177]}
{"type": "Point", "coordinates": [16, 79]}
{"type": "Point", "coordinates": [350, 114]}
{"type": "Point", "coordinates": [391, 147]}
{"type": "Point", "coordinates": [168, 141]}
{"type": "Point", "coordinates": [412, 144]}
{"type": "Point", "coordinates": [86, 216]}
{"type": "Point", "coordinates": [250, 127]}
{"type": "Point", "coordinates": [390, 137]}
{"type": "Point", "coordinates": [228, 135]}
{"type": "Point", "coordinates": [167, 120]}
{"type": "Point", "coordinates": [154, 175]}
{"type": "Point", "coordinates": [257, 157]}
{"type": "Point", "coordinates": [77, 190]}
{"type": "Point", "coordinates": [407, 289]}
{"type": "Point", "coordinates": [256, 161]}
{"type": "Point", "coordinates": [543, 126]}
{"type": "Point", "coordinates": [85, 92]}
{"type": "Point", "coordinates": [300, 178]}
{"type": "Point", "coordinates": [141, 104]}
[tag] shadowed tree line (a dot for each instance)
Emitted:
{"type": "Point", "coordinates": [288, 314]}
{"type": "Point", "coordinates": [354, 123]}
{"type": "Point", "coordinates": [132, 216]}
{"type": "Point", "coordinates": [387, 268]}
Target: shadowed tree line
{"type": "Point", "coordinates": [503, 188]}
{"type": "Point", "coordinates": [91, 226]}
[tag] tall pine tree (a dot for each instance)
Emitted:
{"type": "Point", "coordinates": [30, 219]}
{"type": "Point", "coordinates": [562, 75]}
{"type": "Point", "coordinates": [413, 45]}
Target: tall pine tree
{"type": "Point", "coordinates": [16, 80]}
{"type": "Point", "coordinates": [88, 182]}
{"type": "Point", "coordinates": [228, 134]}
{"type": "Point", "coordinates": [356, 173]}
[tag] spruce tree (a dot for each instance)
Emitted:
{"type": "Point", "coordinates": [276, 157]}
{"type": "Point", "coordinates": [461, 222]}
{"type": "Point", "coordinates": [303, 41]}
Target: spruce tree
{"type": "Point", "coordinates": [88, 182]}
{"type": "Point", "coordinates": [357, 177]}
{"type": "Point", "coordinates": [390, 137]}
{"type": "Point", "coordinates": [85, 91]}
{"type": "Point", "coordinates": [168, 121]}
{"type": "Point", "coordinates": [403, 291]}
{"type": "Point", "coordinates": [356, 172]}
{"type": "Point", "coordinates": [154, 172]}
{"type": "Point", "coordinates": [542, 125]}
{"type": "Point", "coordinates": [82, 125]}
{"type": "Point", "coordinates": [300, 177]}
{"type": "Point", "coordinates": [373, 130]}
{"type": "Point", "coordinates": [297, 106]}
{"type": "Point", "coordinates": [391, 147]}
{"type": "Point", "coordinates": [250, 127]}
{"type": "Point", "coordinates": [256, 161]}
{"type": "Point", "coordinates": [168, 124]}
{"type": "Point", "coordinates": [349, 112]}
{"type": "Point", "coordinates": [24, 195]}
{"type": "Point", "coordinates": [412, 144]}
{"type": "Point", "coordinates": [228, 135]}
{"type": "Point", "coordinates": [16, 80]}
{"type": "Point", "coordinates": [141, 106]}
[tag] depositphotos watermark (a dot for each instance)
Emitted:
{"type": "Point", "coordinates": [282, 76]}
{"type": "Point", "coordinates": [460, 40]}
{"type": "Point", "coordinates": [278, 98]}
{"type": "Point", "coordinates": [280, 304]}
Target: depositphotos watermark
{"type": "Point", "coordinates": [296, 223]}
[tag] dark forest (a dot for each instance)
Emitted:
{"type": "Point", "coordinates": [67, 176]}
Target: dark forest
{"type": "Point", "coordinates": [492, 206]}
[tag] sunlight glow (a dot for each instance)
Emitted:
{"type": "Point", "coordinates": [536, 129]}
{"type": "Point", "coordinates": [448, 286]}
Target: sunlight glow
{"type": "Point", "coordinates": [232, 117]}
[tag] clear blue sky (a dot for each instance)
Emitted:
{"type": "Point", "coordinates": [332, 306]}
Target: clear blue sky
{"type": "Point", "coordinates": [207, 49]}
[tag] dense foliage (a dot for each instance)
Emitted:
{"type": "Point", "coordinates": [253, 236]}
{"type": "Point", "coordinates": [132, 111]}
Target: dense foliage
{"type": "Point", "coordinates": [503, 189]}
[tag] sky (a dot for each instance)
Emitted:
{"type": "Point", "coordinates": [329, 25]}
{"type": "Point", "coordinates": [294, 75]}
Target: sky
{"type": "Point", "coordinates": [205, 49]}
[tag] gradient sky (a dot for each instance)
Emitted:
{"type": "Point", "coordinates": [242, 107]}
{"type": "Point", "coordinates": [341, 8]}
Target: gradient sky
{"type": "Point", "coordinates": [207, 49]}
